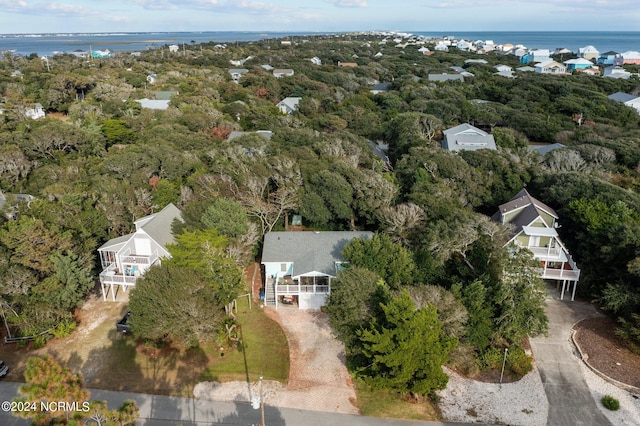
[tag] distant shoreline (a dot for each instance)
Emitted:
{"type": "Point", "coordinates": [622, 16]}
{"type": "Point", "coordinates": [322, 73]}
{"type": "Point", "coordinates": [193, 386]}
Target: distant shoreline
{"type": "Point", "coordinates": [54, 43]}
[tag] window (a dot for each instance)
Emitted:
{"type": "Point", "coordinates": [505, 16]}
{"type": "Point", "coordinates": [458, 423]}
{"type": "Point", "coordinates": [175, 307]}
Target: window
{"type": "Point", "coordinates": [283, 267]}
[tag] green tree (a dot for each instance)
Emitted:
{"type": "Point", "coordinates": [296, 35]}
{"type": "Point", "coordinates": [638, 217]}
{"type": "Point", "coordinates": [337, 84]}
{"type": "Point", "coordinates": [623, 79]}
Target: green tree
{"type": "Point", "coordinates": [337, 196]}
{"type": "Point", "coordinates": [227, 216]}
{"type": "Point", "coordinates": [32, 242]}
{"type": "Point", "coordinates": [118, 131]}
{"type": "Point", "coordinates": [355, 298]}
{"type": "Point", "coordinates": [99, 414]}
{"type": "Point", "coordinates": [49, 382]}
{"type": "Point", "coordinates": [407, 349]}
{"type": "Point", "coordinates": [206, 253]}
{"type": "Point", "coordinates": [519, 298]}
{"type": "Point", "coordinates": [71, 282]}
{"type": "Point", "coordinates": [391, 261]}
{"type": "Point", "coordinates": [174, 303]}
{"type": "Point", "coordinates": [479, 327]}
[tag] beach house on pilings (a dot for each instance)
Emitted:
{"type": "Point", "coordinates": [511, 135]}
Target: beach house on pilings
{"type": "Point", "coordinates": [125, 259]}
{"type": "Point", "coordinates": [535, 228]}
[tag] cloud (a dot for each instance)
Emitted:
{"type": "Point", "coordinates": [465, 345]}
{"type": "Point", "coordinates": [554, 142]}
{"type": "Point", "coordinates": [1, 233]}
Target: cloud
{"type": "Point", "coordinates": [348, 3]}
{"type": "Point", "coordinates": [514, 5]}
{"type": "Point", "coordinates": [156, 4]}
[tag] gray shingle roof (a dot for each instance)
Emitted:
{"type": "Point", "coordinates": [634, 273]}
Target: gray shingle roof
{"type": "Point", "coordinates": [529, 210]}
{"type": "Point", "coordinates": [467, 137]}
{"type": "Point", "coordinates": [621, 97]}
{"type": "Point", "coordinates": [309, 251]}
{"type": "Point", "coordinates": [158, 225]}
{"type": "Point", "coordinates": [446, 77]}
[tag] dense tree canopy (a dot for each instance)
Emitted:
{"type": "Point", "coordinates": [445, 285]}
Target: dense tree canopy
{"type": "Point", "coordinates": [103, 161]}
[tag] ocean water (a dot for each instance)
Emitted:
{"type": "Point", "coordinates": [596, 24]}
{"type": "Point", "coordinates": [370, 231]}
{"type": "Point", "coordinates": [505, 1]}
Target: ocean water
{"type": "Point", "coordinates": [48, 44]}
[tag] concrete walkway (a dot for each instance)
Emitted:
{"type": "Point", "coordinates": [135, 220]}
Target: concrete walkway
{"type": "Point", "coordinates": [570, 401]}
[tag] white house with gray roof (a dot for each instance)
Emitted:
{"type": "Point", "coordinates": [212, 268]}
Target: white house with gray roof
{"type": "Point", "coordinates": [124, 259]}
{"type": "Point", "coordinates": [299, 266]}
{"type": "Point", "coordinates": [632, 101]}
{"type": "Point", "coordinates": [288, 105]}
{"type": "Point", "coordinates": [466, 137]}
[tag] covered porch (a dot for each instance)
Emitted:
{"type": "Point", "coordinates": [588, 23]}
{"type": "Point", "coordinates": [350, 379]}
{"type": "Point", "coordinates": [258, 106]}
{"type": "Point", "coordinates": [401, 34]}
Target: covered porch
{"type": "Point", "coordinates": [121, 270]}
{"type": "Point", "coordinates": [305, 291]}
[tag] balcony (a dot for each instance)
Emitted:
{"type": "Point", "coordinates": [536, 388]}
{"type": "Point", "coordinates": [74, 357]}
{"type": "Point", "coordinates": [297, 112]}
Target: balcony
{"type": "Point", "coordinates": [132, 259]}
{"type": "Point", "coordinates": [559, 274]}
{"type": "Point", "coordinates": [291, 287]}
{"type": "Point", "coordinates": [112, 276]}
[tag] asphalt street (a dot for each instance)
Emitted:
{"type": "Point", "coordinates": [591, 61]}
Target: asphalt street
{"type": "Point", "coordinates": [164, 410]}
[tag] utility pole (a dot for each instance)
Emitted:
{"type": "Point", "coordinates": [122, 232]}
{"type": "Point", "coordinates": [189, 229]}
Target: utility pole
{"type": "Point", "coordinates": [504, 361]}
{"type": "Point", "coordinates": [261, 404]}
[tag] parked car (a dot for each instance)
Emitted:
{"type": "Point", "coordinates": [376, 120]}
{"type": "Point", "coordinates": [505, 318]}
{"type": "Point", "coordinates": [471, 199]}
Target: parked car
{"type": "Point", "coordinates": [4, 368]}
{"type": "Point", "coordinates": [123, 324]}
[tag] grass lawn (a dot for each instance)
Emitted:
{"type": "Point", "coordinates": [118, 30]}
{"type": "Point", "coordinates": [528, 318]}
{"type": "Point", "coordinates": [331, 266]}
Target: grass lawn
{"type": "Point", "coordinates": [387, 404]}
{"type": "Point", "coordinates": [264, 350]}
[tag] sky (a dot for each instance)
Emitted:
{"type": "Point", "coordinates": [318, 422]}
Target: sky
{"type": "Point", "coordinates": [67, 16]}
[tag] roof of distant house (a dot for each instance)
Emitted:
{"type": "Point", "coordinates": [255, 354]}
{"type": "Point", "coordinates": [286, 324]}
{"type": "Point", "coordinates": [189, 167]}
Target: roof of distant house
{"type": "Point", "coordinates": [544, 149]}
{"type": "Point", "coordinates": [153, 103]}
{"type": "Point", "coordinates": [236, 134]}
{"type": "Point", "coordinates": [621, 97]}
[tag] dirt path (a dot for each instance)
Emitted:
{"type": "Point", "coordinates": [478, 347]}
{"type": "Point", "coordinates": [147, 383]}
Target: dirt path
{"type": "Point", "coordinates": [96, 319]}
{"type": "Point", "coordinates": [318, 377]}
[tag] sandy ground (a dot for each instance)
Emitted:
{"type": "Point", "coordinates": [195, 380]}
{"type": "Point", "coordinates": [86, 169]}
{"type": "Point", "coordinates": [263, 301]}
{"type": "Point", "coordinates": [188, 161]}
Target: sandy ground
{"type": "Point", "coordinates": [520, 403]}
{"type": "Point", "coordinates": [629, 412]}
{"type": "Point", "coordinates": [318, 377]}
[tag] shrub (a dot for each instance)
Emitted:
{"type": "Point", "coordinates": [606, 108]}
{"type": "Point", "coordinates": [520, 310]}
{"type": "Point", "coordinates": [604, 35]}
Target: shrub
{"type": "Point", "coordinates": [39, 341]}
{"type": "Point", "coordinates": [518, 361]}
{"type": "Point", "coordinates": [492, 358]}
{"type": "Point", "coordinates": [64, 328]}
{"type": "Point", "coordinates": [610, 403]}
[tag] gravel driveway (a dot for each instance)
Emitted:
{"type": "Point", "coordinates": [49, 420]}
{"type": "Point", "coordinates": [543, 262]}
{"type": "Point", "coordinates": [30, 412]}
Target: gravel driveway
{"type": "Point", "coordinates": [318, 377]}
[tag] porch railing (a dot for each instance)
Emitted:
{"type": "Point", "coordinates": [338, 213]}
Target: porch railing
{"type": "Point", "coordinates": [298, 289]}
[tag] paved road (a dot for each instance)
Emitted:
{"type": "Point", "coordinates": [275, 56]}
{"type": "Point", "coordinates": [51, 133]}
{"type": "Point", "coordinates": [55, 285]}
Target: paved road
{"type": "Point", "coordinates": [163, 410]}
{"type": "Point", "coordinates": [570, 401]}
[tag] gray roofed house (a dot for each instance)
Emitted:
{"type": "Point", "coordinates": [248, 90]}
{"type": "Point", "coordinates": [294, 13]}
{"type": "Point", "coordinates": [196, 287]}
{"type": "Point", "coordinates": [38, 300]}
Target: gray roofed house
{"type": "Point", "coordinates": [160, 101]}
{"type": "Point", "coordinates": [299, 266]}
{"type": "Point", "coordinates": [632, 101]}
{"type": "Point", "coordinates": [446, 77]}
{"type": "Point", "coordinates": [544, 149]}
{"type": "Point", "coordinates": [153, 103]}
{"type": "Point", "coordinates": [124, 259]}
{"type": "Point", "coordinates": [284, 72]}
{"type": "Point", "coordinates": [534, 227]}
{"type": "Point", "coordinates": [466, 137]}
{"type": "Point", "coordinates": [236, 73]}
{"type": "Point", "coordinates": [288, 105]}
{"type": "Point", "coordinates": [236, 134]}
{"type": "Point", "coordinates": [621, 97]}
{"type": "Point", "coordinates": [380, 88]}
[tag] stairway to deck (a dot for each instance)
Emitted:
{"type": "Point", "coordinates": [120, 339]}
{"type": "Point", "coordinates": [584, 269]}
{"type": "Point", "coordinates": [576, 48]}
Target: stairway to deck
{"type": "Point", "coordinates": [270, 293]}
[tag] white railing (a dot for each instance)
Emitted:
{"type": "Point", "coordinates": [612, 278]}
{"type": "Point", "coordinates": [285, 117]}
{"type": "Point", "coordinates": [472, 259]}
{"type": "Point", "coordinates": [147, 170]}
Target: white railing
{"type": "Point", "coordinates": [139, 260]}
{"type": "Point", "coordinates": [298, 289]}
{"type": "Point", "coordinates": [546, 251]}
{"type": "Point", "coordinates": [109, 276]}
{"type": "Point", "coordinates": [559, 274]}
